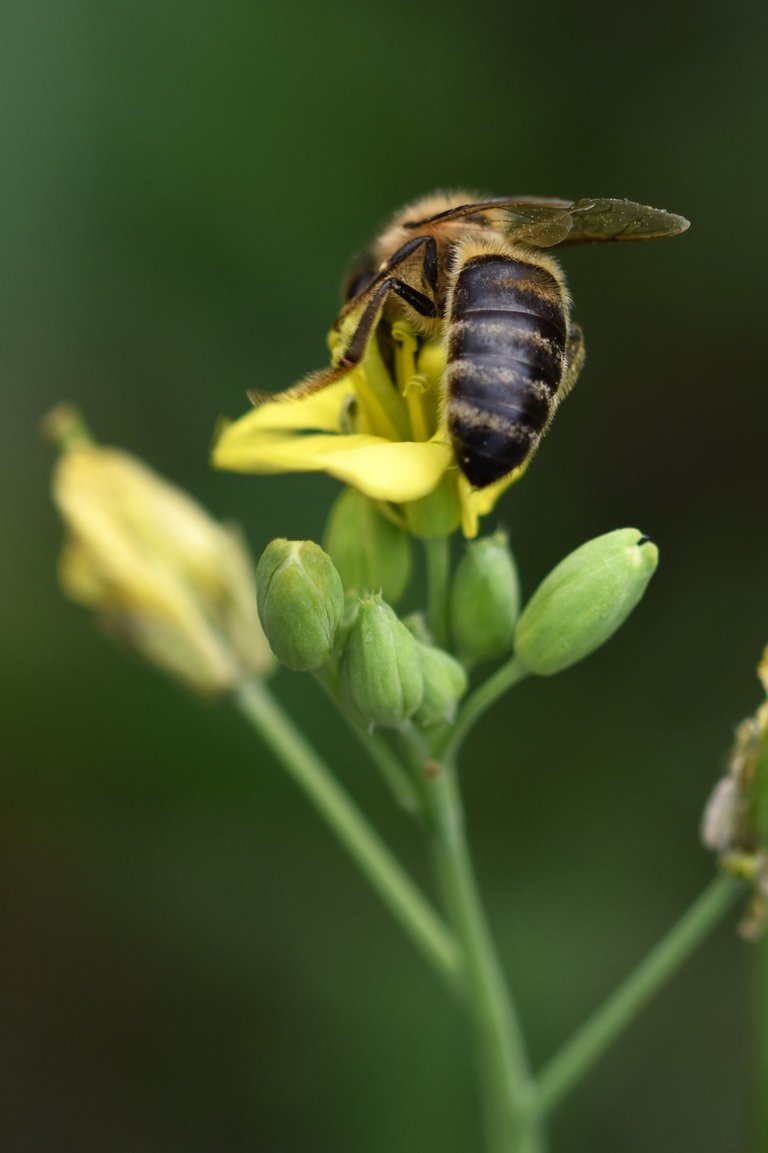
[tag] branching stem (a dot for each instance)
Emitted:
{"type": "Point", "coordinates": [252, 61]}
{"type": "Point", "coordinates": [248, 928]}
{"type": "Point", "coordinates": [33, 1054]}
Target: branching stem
{"type": "Point", "coordinates": [360, 840]}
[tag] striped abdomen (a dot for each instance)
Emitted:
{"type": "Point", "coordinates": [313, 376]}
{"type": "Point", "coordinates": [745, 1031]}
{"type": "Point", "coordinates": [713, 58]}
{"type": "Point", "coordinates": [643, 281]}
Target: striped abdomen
{"type": "Point", "coordinates": [507, 331]}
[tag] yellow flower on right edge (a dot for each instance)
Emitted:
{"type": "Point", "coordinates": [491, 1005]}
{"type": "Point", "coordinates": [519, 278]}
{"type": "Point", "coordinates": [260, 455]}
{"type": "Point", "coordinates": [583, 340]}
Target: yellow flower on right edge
{"type": "Point", "coordinates": [735, 823]}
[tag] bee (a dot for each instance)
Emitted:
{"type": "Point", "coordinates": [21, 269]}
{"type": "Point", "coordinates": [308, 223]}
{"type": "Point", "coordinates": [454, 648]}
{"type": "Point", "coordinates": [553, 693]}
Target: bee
{"type": "Point", "coordinates": [476, 274]}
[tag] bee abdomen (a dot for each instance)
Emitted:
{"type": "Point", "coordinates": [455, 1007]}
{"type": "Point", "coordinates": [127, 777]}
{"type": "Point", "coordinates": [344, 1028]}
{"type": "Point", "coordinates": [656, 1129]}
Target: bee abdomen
{"type": "Point", "coordinates": [506, 358]}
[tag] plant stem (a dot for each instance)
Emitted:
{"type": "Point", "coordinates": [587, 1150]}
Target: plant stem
{"type": "Point", "coordinates": [592, 1040]}
{"type": "Point", "coordinates": [478, 704]}
{"type": "Point", "coordinates": [438, 553]}
{"type": "Point", "coordinates": [503, 1065]}
{"type": "Point", "coordinates": [760, 1034]}
{"type": "Point", "coordinates": [390, 766]}
{"type": "Point", "coordinates": [360, 840]}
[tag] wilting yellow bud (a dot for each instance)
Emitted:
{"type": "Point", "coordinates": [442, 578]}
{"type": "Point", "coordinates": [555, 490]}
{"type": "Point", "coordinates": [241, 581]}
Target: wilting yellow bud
{"type": "Point", "coordinates": [164, 577]}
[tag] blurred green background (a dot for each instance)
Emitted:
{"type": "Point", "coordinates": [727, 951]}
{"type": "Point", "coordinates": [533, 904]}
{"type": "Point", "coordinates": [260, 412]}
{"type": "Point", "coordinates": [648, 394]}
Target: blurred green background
{"type": "Point", "coordinates": [188, 961]}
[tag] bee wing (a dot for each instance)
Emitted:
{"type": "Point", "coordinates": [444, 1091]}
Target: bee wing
{"type": "Point", "coordinates": [534, 220]}
{"type": "Point", "coordinates": [621, 220]}
{"type": "Point", "coordinates": [545, 222]}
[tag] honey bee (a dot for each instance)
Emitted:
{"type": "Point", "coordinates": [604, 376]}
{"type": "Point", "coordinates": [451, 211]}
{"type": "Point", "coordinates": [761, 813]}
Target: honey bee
{"type": "Point", "coordinates": [475, 273]}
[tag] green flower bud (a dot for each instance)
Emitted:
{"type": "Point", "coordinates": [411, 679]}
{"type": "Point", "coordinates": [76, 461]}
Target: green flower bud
{"type": "Point", "coordinates": [301, 601]}
{"type": "Point", "coordinates": [417, 626]}
{"type": "Point", "coordinates": [445, 682]}
{"type": "Point", "coordinates": [485, 599]}
{"type": "Point", "coordinates": [436, 514]}
{"type": "Point", "coordinates": [380, 671]}
{"type": "Point", "coordinates": [371, 553]}
{"type": "Point", "coordinates": [584, 600]}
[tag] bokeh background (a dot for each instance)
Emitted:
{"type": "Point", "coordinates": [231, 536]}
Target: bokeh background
{"type": "Point", "coordinates": [188, 962]}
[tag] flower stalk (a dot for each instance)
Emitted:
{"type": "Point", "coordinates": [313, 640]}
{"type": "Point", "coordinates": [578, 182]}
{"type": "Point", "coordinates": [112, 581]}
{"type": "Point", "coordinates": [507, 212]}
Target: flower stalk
{"type": "Point", "coordinates": [505, 1078]}
{"type": "Point", "coordinates": [594, 1038]}
{"type": "Point", "coordinates": [363, 844]}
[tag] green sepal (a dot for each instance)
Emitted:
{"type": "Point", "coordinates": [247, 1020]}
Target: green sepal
{"type": "Point", "coordinates": [485, 599]}
{"type": "Point", "coordinates": [584, 600]}
{"type": "Point", "coordinates": [380, 676]}
{"type": "Point", "coordinates": [445, 683]}
{"type": "Point", "coordinates": [371, 553]}
{"type": "Point", "coordinates": [301, 602]}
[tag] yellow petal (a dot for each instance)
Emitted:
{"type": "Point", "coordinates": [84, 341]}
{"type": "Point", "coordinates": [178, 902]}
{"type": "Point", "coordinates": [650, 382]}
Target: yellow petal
{"type": "Point", "coordinates": [477, 502]}
{"type": "Point", "coordinates": [382, 469]}
{"type": "Point", "coordinates": [387, 470]}
{"type": "Point", "coordinates": [319, 411]}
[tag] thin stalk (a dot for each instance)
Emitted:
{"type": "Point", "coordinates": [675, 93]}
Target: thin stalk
{"type": "Point", "coordinates": [393, 772]}
{"type": "Point", "coordinates": [438, 553]}
{"type": "Point", "coordinates": [360, 840]}
{"type": "Point", "coordinates": [760, 1033]}
{"type": "Point", "coordinates": [577, 1057]}
{"type": "Point", "coordinates": [478, 703]}
{"type": "Point", "coordinates": [512, 1126]}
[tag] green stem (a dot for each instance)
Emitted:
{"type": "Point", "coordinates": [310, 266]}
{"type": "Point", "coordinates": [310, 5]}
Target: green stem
{"type": "Point", "coordinates": [761, 1045]}
{"type": "Point", "coordinates": [402, 787]}
{"type": "Point", "coordinates": [591, 1041]}
{"type": "Point", "coordinates": [390, 766]}
{"type": "Point", "coordinates": [438, 553]}
{"type": "Point", "coordinates": [478, 704]}
{"type": "Point", "coordinates": [363, 844]}
{"type": "Point", "coordinates": [511, 1123]}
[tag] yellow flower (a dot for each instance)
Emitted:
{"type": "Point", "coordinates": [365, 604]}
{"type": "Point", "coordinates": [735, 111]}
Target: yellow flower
{"type": "Point", "coordinates": [385, 437]}
{"type": "Point", "coordinates": [735, 822]}
{"type": "Point", "coordinates": [164, 577]}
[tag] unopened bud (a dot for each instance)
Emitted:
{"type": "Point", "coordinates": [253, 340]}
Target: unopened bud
{"type": "Point", "coordinates": [584, 600]}
{"type": "Point", "coordinates": [380, 672]}
{"type": "Point", "coordinates": [301, 602]}
{"type": "Point", "coordinates": [371, 553]}
{"type": "Point", "coordinates": [485, 599]}
{"type": "Point", "coordinates": [445, 682]}
{"type": "Point", "coordinates": [437, 514]}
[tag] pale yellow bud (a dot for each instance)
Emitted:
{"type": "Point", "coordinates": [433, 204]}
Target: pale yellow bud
{"type": "Point", "coordinates": [165, 578]}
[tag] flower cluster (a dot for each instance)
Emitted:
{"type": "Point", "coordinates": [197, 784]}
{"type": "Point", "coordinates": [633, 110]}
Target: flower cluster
{"type": "Point", "coordinates": [386, 671]}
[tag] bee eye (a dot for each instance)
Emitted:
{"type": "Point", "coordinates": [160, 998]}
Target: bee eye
{"type": "Point", "coordinates": [357, 280]}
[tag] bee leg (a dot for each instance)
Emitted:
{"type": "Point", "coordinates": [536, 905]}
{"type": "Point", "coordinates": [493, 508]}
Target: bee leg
{"type": "Point", "coordinates": [416, 300]}
{"type": "Point", "coordinates": [575, 353]}
{"type": "Point", "coordinates": [355, 350]}
{"type": "Point", "coordinates": [429, 269]}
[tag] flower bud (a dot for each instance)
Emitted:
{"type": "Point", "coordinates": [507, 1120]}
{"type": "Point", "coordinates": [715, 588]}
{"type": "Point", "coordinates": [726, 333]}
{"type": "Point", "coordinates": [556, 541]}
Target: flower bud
{"type": "Point", "coordinates": [371, 553]}
{"type": "Point", "coordinates": [166, 579]}
{"type": "Point", "coordinates": [380, 672]}
{"type": "Point", "coordinates": [584, 600]}
{"type": "Point", "coordinates": [445, 682]}
{"type": "Point", "coordinates": [437, 514]}
{"type": "Point", "coordinates": [301, 602]}
{"type": "Point", "coordinates": [485, 599]}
